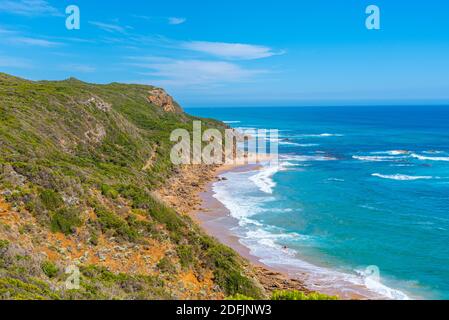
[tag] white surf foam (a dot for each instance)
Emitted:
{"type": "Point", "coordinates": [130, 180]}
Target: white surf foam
{"type": "Point", "coordinates": [398, 155]}
{"type": "Point", "coordinates": [322, 135]}
{"type": "Point", "coordinates": [231, 121]}
{"type": "Point", "coordinates": [393, 152]}
{"type": "Point", "coordinates": [376, 158]}
{"type": "Point", "coordinates": [306, 145]}
{"type": "Point", "coordinates": [307, 158]}
{"type": "Point", "coordinates": [421, 157]}
{"type": "Point", "coordinates": [289, 143]}
{"type": "Point", "coordinates": [264, 178]}
{"type": "Point", "coordinates": [265, 242]}
{"type": "Point", "coordinates": [401, 177]}
{"type": "Point", "coordinates": [265, 245]}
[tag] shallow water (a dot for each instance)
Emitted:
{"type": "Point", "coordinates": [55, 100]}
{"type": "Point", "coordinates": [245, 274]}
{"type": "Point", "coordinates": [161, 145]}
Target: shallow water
{"type": "Point", "coordinates": [359, 191]}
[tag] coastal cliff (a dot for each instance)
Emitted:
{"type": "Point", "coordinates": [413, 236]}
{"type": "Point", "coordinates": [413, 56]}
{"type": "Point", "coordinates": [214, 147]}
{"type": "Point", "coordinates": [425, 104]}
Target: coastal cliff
{"type": "Point", "coordinates": [86, 183]}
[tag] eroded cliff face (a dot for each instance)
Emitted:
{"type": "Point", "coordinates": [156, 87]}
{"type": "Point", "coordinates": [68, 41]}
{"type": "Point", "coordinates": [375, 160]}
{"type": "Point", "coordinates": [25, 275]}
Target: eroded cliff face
{"type": "Point", "coordinates": [162, 99]}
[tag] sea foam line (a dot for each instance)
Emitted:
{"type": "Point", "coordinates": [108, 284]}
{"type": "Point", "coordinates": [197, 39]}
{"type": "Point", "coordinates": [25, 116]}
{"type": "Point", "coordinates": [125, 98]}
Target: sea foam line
{"type": "Point", "coordinates": [420, 157]}
{"type": "Point", "coordinates": [396, 155]}
{"type": "Point", "coordinates": [401, 177]}
{"type": "Point", "coordinates": [264, 179]}
{"type": "Point", "coordinates": [231, 121]}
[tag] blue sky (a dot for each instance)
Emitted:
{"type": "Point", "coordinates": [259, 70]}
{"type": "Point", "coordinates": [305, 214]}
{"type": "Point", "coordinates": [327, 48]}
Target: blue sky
{"type": "Point", "coordinates": [237, 53]}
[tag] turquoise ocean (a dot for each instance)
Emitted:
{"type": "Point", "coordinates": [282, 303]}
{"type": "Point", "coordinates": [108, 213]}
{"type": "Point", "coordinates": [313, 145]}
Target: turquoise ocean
{"type": "Point", "coordinates": [360, 198]}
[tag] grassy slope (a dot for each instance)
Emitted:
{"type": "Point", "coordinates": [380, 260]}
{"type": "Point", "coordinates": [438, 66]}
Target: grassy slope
{"type": "Point", "coordinates": [61, 156]}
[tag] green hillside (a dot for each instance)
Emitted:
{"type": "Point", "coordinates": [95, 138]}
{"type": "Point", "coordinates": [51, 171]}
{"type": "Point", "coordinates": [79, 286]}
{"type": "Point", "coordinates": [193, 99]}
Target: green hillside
{"type": "Point", "coordinates": [78, 164]}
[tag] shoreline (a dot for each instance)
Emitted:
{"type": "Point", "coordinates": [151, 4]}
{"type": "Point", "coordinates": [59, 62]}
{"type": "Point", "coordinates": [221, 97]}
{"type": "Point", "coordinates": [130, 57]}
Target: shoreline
{"type": "Point", "coordinates": [213, 216]}
{"type": "Point", "coordinates": [190, 192]}
{"type": "Point", "coordinates": [216, 220]}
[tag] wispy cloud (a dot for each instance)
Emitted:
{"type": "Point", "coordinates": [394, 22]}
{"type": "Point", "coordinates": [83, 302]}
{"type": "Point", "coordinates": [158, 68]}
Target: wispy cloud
{"type": "Point", "coordinates": [175, 72]}
{"type": "Point", "coordinates": [139, 16]}
{"type": "Point", "coordinates": [28, 7]}
{"type": "Point", "coordinates": [176, 20]}
{"type": "Point", "coordinates": [4, 31]}
{"type": "Point", "coordinates": [34, 42]}
{"type": "Point", "coordinates": [81, 68]}
{"type": "Point", "coordinates": [231, 51]}
{"type": "Point", "coordinates": [169, 20]}
{"type": "Point", "coordinates": [13, 62]}
{"type": "Point", "coordinates": [109, 27]}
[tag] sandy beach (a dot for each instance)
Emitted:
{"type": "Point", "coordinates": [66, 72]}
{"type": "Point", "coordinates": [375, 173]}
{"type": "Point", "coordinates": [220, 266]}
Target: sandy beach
{"type": "Point", "coordinates": [190, 192]}
{"type": "Point", "coordinates": [216, 220]}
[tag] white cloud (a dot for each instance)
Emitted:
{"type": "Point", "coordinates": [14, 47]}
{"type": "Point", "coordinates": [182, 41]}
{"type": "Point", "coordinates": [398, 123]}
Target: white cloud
{"type": "Point", "coordinates": [176, 20]}
{"type": "Point", "coordinates": [108, 27]}
{"type": "Point", "coordinates": [195, 72]}
{"type": "Point", "coordinates": [232, 51]}
{"type": "Point", "coordinates": [34, 42]}
{"type": "Point", "coordinates": [28, 7]}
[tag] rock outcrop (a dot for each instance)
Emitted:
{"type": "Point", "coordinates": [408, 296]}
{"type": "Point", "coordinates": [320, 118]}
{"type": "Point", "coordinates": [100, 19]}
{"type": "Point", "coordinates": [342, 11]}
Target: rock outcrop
{"type": "Point", "coordinates": [161, 99]}
{"type": "Point", "coordinates": [99, 104]}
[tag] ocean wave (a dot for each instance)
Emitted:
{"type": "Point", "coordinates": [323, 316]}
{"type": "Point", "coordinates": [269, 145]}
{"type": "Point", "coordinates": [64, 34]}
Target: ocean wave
{"type": "Point", "coordinates": [322, 135]}
{"type": "Point", "coordinates": [307, 158]}
{"type": "Point", "coordinates": [305, 145]}
{"type": "Point", "coordinates": [401, 177]}
{"type": "Point", "coordinates": [275, 246]}
{"type": "Point", "coordinates": [376, 158]}
{"type": "Point", "coordinates": [374, 283]}
{"type": "Point", "coordinates": [240, 210]}
{"type": "Point", "coordinates": [268, 248]}
{"type": "Point", "coordinates": [421, 157]}
{"type": "Point", "coordinates": [393, 152]}
{"type": "Point", "coordinates": [264, 179]}
{"type": "Point", "coordinates": [397, 155]}
{"type": "Point", "coordinates": [232, 121]}
{"type": "Point", "coordinates": [286, 164]}
{"type": "Point", "coordinates": [288, 142]}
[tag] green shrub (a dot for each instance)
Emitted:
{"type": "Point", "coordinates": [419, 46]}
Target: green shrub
{"type": "Point", "coordinates": [3, 245]}
{"type": "Point", "coordinates": [93, 240]}
{"type": "Point", "coordinates": [50, 269]}
{"type": "Point", "coordinates": [140, 200]}
{"type": "Point", "coordinates": [298, 295]}
{"type": "Point", "coordinates": [110, 221]}
{"type": "Point", "coordinates": [167, 216]}
{"type": "Point", "coordinates": [165, 265]}
{"type": "Point", "coordinates": [65, 220]}
{"type": "Point", "coordinates": [51, 199]}
{"type": "Point", "coordinates": [32, 289]}
{"type": "Point", "coordinates": [31, 142]}
{"type": "Point", "coordinates": [109, 191]}
{"type": "Point", "coordinates": [186, 256]}
{"type": "Point", "coordinates": [228, 272]}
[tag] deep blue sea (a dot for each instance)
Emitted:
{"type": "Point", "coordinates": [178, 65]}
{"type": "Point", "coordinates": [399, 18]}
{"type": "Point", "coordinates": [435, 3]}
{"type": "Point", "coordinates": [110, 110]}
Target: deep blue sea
{"type": "Point", "coordinates": [358, 191]}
